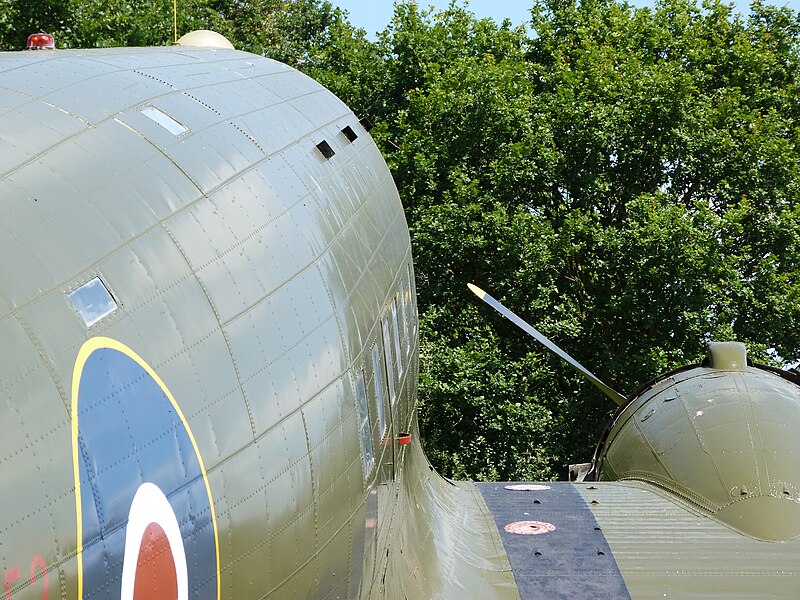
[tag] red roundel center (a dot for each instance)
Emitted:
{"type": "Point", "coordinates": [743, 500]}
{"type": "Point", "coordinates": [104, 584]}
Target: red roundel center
{"type": "Point", "coordinates": [156, 578]}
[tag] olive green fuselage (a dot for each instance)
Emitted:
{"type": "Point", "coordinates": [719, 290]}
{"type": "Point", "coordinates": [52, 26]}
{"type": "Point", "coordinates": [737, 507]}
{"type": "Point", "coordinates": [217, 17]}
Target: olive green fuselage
{"type": "Point", "coordinates": [253, 290]}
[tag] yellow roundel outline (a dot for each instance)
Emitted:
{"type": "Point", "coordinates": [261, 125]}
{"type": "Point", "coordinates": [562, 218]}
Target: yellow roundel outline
{"type": "Point", "coordinates": [97, 343]}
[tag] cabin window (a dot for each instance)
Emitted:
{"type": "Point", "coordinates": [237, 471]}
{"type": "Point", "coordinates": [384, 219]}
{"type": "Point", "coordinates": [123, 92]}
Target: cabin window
{"type": "Point", "coordinates": [325, 149]}
{"type": "Point", "coordinates": [387, 355]}
{"type": "Point", "coordinates": [377, 370]}
{"type": "Point", "coordinates": [364, 428]}
{"type": "Point", "coordinates": [93, 301]}
{"type": "Point", "coordinates": [396, 330]}
{"type": "Point", "coordinates": [404, 313]}
{"type": "Point", "coordinates": [412, 313]}
{"type": "Point", "coordinates": [351, 135]}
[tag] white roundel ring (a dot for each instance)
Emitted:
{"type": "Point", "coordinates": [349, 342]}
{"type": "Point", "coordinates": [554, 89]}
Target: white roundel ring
{"type": "Point", "coordinates": [152, 516]}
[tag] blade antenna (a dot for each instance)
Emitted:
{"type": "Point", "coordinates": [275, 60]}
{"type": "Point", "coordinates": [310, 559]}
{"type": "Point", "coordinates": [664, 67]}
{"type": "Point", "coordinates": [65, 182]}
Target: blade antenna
{"type": "Point", "coordinates": [608, 391]}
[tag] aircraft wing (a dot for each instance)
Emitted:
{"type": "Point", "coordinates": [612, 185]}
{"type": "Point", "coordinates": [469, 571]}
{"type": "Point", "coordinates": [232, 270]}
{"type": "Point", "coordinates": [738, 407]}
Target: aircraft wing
{"type": "Point", "coordinates": [629, 539]}
{"type": "Point", "coordinates": [589, 540]}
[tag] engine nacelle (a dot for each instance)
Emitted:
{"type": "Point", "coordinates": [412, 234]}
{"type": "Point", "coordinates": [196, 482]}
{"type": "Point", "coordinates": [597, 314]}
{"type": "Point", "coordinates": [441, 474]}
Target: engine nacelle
{"type": "Point", "coordinates": [723, 437]}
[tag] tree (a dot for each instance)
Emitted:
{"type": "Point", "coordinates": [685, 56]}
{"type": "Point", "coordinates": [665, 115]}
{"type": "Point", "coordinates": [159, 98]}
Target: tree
{"type": "Point", "coordinates": [292, 31]}
{"type": "Point", "coordinates": [19, 19]}
{"type": "Point", "coordinates": [626, 179]}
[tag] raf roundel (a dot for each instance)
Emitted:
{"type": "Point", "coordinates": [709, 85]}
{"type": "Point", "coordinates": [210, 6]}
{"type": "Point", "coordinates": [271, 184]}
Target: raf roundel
{"type": "Point", "coordinates": [146, 527]}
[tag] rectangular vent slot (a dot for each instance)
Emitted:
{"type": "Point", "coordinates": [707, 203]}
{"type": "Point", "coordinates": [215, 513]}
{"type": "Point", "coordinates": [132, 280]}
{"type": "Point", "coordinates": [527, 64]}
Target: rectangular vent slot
{"type": "Point", "coordinates": [366, 124]}
{"type": "Point", "coordinates": [326, 150]}
{"type": "Point", "coordinates": [93, 301]}
{"type": "Point", "coordinates": [351, 135]}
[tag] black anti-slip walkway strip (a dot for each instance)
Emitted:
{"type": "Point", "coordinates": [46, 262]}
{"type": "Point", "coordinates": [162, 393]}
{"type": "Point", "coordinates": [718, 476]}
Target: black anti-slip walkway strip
{"type": "Point", "coordinates": [571, 561]}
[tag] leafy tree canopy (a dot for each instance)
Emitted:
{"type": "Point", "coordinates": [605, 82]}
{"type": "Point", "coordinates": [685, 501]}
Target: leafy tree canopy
{"type": "Point", "coordinates": [626, 179]}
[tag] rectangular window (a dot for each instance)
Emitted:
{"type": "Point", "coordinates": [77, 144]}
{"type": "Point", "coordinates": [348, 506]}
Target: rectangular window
{"type": "Point", "coordinates": [377, 370]}
{"type": "Point", "coordinates": [396, 330]}
{"type": "Point", "coordinates": [387, 355]}
{"type": "Point", "coordinates": [362, 412]}
{"type": "Point", "coordinates": [404, 312]}
{"type": "Point", "coordinates": [163, 119]}
{"type": "Point", "coordinates": [412, 298]}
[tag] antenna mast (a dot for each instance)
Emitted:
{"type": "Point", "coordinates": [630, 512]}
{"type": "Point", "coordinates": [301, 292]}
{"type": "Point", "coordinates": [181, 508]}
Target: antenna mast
{"type": "Point", "coordinates": [611, 393]}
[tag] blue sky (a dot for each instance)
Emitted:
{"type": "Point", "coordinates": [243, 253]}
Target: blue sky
{"type": "Point", "coordinates": [374, 15]}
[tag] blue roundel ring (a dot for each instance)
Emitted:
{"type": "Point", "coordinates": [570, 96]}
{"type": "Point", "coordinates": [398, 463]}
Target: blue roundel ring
{"type": "Point", "coordinates": [146, 525]}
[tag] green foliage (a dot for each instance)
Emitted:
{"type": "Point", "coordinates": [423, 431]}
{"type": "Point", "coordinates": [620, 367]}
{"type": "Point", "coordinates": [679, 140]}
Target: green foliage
{"type": "Point", "coordinates": [626, 179]}
{"type": "Point", "coordinates": [488, 413]}
{"type": "Point", "coordinates": [18, 19]}
{"type": "Point", "coordinates": [292, 31]}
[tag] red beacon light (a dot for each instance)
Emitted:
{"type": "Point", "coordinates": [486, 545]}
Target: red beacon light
{"type": "Point", "coordinates": [41, 41]}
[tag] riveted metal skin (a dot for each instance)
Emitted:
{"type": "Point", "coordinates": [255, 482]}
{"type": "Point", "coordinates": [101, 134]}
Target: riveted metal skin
{"type": "Point", "coordinates": [666, 548]}
{"type": "Point", "coordinates": [234, 402]}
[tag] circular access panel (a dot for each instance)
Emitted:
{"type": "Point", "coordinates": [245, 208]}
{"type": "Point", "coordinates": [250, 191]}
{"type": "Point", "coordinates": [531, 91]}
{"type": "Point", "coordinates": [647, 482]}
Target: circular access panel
{"type": "Point", "coordinates": [528, 487]}
{"type": "Point", "coordinates": [529, 527]}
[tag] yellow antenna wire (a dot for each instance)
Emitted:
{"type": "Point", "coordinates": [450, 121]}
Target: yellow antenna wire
{"type": "Point", "coordinates": [175, 18]}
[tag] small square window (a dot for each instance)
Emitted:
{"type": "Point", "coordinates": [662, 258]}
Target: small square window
{"type": "Point", "coordinates": [93, 301]}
